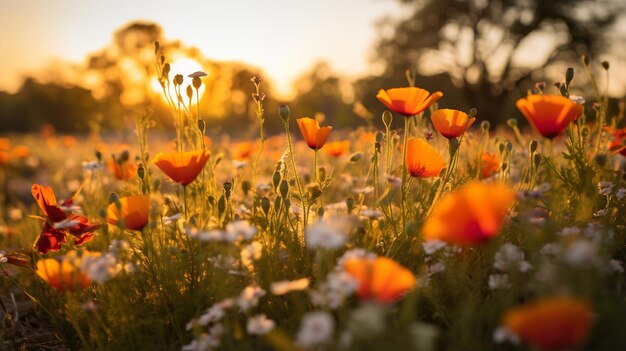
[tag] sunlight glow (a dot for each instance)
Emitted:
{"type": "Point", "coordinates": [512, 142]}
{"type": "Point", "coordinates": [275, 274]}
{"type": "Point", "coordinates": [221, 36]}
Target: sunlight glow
{"type": "Point", "coordinates": [184, 66]}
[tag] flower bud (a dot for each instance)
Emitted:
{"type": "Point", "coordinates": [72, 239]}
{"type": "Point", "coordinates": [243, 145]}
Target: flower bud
{"type": "Point", "coordinates": [355, 156]}
{"type": "Point", "coordinates": [537, 160]}
{"type": "Point", "coordinates": [178, 79]}
{"type": "Point", "coordinates": [350, 204]}
{"type": "Point", "coordinates": [533, 146]}
{"type": "Point", "coordinates": [485, 126]}
{"type": "Point", "coordinates": [157, 47]}
{"type": "Point", "coordinates": [320, 212]}
{"type": "Point", "coordinates": [265, 205]}
{"type": "Point", "coordinates": [284, 188]}
{"type": "Point", "coordinates": [166, 69]}
{"type": "Point", "coordinates": [585, 60]}
{"type": "Point", "coordinates": [196, 82]}
{"type": "Point", "coordinates": [202, 125]}
{"type": "Point", "coordinates": [276, 180]}
{"type": "Point", "coordinates": [189, 92]}
{"type": "Point", "coordinates": [387, 118]}
{"type": "Point", "coordinates": [283, 112]}
{"type": "Point", "coordinates": [512, 122]}
{"type": "Point", "coordinates": [605, 65]}
{"type": "Point", "coordinates": [569, 75]}
{"type": "Point", "coordinates": [473, 112]}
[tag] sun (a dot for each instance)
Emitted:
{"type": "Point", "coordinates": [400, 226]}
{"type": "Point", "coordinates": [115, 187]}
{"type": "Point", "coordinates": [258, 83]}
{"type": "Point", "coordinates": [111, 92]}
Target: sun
{"type": "Point", "coordinates": [184, 66]}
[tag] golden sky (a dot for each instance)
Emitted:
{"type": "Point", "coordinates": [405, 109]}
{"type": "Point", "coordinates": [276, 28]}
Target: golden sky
{"type": "Point", "coordinates": [283, 37]}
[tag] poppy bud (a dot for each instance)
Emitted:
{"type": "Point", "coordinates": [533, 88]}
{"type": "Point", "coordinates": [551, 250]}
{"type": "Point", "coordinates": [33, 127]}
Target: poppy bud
{"type": "Point", "coordinates": [585, 60]}
{"type": "Point", "coordinates": [600, 159]}
{"type": "Point", "coordinates": [189, 92]}
{"type": "Point", "coordinates": [485, 126]}
{"type": "Point", "coordinates": [533, 146]}
{"type": "Point", "coordinates": [473, 112]}
{"type": "Point", "coordinates": [569, 75]}
{"type": "Point", "coordinates": [379, 137]}
{"type": "Point", "coordinates": [265, 205]}
{"type": "Point", "coordinates": [350, 204]}
{"type": "Point", "coordinates": [178, 79]}
{"type": "Point", "coordinates": [277, 203]}
{"type": "Point", "coordinates": [509, 146]}
{"type": "Point", "coordinates": [276, 179]}
{"type": "Point", "coordinates": [512, 122]}
{"type": "Point", "coordinates": [141, 172]}
{"type": "Point", "coordinates": [605, 65]}
{"type": "Point", "coordinates": [563, 91]}
{"type": "Point", "coordinates": [246, 186]}
{"type": "Point", "coordinates": [283, 112]}
{"type": "Point", "coordinates": [221, 205]}
{"type": "Point", "coordinates": [355, 156]}
{"type": "Point", "coordinates": [314, 191]}
{"type": "Point", "coordinates": [284, 188]}
{"type": "Point", "coordinates": [157, 47]}
{"type": "Point", "coordinates": [537, 160]}
{"type": "Point", "coordinates": [228, 186]}
{"type": "Point", "coordinates": [99, 156]}
{"type": "Point", "coordinates": [387, 118]}
{"type": "Point", "coordinates": [166, 69]}
{"type": "Point", "coordinates": [320, 212]}
{"type": "Point", "coordinates": [196, 82]}
{"type": "Point", "coordinates": [202, 125]}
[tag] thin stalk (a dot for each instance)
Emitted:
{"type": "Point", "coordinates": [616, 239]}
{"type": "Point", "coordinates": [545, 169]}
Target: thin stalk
{"type": "Point", "coordinates": [404, 172]}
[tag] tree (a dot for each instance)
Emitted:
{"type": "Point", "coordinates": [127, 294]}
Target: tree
{"type": "Point", "coordinates": [491, 48]}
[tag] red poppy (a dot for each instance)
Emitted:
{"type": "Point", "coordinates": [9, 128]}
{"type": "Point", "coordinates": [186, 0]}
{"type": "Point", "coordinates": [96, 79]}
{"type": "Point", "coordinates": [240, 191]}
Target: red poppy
{"type": "Point", "coordinates": [59, 221]}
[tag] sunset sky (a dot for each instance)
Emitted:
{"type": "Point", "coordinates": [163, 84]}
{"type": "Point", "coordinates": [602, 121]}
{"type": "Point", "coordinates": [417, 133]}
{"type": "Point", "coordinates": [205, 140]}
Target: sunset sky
{"type": "Point", "coordinates": [284, 37]}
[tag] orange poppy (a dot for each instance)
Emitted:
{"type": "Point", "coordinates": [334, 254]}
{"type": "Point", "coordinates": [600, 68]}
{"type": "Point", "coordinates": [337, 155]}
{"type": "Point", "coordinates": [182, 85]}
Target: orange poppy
{"type": "Point", "coordinates": [314, 135]}
{"type": "Point", "coordinates": [554, 323]}
{"type": "Point", "coordinates": [122, 167]}
{"type": "Point", "coordinates": [63, 273]}
{"type": "Point", "coordinates": [134, 211]}
{"type": "Point", "coordinates": [470, 215]}
{"type": "Point", "coordinates": [451, 123]}
{"type": "Point", "coordinates": [618, 144]}
{"type": "Point", "coordinates": [422, 160]}
{"type": "Point", "coordinates": [182, 167]}
{"type": "Point", "coordinates": [380, 279]}
{"type": "Point", "coordinates": [242, 151]}
{"type": "Point", "coordinates": [59, 221]}
{"type": "Point", "coordinates": [549, 114]}
{"type": "Point", "coordinates": [5, 144]}
{"type": "Point", "coordinates": [337, 148]}
{"type": "Point", "coordinates": [408, 101]}
{"type": "Point", "coordinates": [21, 151]}
{"type": "Point", "coordinates": [488, 164]}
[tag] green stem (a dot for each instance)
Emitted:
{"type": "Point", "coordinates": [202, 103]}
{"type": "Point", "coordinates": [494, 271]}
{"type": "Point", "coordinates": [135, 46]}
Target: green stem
{"type": "Point", "coordinates": [404, 172]}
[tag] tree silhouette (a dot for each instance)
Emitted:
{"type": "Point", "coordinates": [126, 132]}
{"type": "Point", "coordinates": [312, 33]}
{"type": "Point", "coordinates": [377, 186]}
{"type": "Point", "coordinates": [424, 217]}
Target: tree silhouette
{"type": "Point", "coordinates": [489, 48]}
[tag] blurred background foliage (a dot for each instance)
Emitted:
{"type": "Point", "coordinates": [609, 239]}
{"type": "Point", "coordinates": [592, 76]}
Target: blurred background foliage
{"type": "Point", "coordinates": [480, 53]}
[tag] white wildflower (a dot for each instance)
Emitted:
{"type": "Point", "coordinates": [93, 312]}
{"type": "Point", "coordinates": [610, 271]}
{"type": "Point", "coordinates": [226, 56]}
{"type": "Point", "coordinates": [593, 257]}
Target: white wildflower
{"type": "Point", "coordinates": [15, 214]}
{"type": "Point", "coordinates": [202, 343]}
{"type": "Point", "coordinates": [601, 213]}
{"type": "Point", "coordinates": [605, 188]}
{"type": "Point", "coordinates": [316, 329]}
{"type": "Point", "coordinates": [339, 285]}
{"type": "Point", "coordinates": [328, 234]}
{"type": "Point", "coordinates": [567, 231]}
{"type": "Point", "coordinates": [3, 257]}
{"type": "Point", "coordinates": [550, 249]}
{"type": "Point", "coordinates": [240, 230]}
{"type": "Point", "coordinates": [436, 268]}
{"type": "Point", "coordinates": [206, 235]}
{"type": "Point", "coordinates": [365, 190]}
{"type": "Point", "coordinates": [371, 214]}
{"type": "Point", "coordinates": [503, 334]}
{"type": "Point", "coordinates": [621, 193]}
{"type": "Point", "coordinates": [286, 286]}
{"type": "Point", "coordinates": [615, 266]}
{"type": "Point", "coordinates": [432, 246]}
{"type": "Point", "coordinates": [354, 254]}
{"type": "Point", "coordinates": [91, 166]}
{"type": "Point", "coordinates": [260, 325]}
{"type": "Point", "coordinates": [251, 253]}
{"type": "Point", "coordinates": [577, 99]}
{"type": "Point", "coordinates": [249, 297]}
{"type": "Point", "coordinates": [171, 219]}
{"type": "Point", "coordinates": [580, 253]}
{"type": "Point", "coordinates": [510, 257]}
{"type": "Point", "coordinates": [100, 268]}
{"type": "Point", "coordinates": [499, 281]}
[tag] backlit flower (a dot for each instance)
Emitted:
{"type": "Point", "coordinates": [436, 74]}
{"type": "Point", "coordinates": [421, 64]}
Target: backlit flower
{"type": "Point", "coordinates": [554, 323]}
{"type": "Point", "coordinates": [470, 215]}
{"type": "Point", "coordinates": [182, 167]}
{"type": "Point", "coordinates": [488, 164]}
{"type": "Point", "coordinates": [121, 166]}
{"type": "Point", "coordinates": [408, 101]}
{"type": "Point", "coordinates": [314, 135]}
{"type": "Point", "coordinates": [422, 160]}
{"type": "Point", "coordinates": [451, 123]}
{"type": "Point", "coordinates": [63, 273]}
{"type": "Point", "coordinates": [59, 220]}
{"type": "Point", "coordinates": [380, 279]}
{"type": "Point", "coordinates": [242, 151]}
{"type": "Point", "coordinates": [337, 148]}
{"type": "Point", "coordinates": [133, 211]}
{"type": "Point", "coordinates": [618, 143]}
{"type": "Point", "coordinates": [549, 114]}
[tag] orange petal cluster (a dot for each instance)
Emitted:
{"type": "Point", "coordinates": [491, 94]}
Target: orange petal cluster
{"type": "Point", "coordinates": [554, 323]}
{"type": "Point", "coordinates": [182, 167]}
{"type": "Point", "coordinates": [451, 123]}
{"type": "Point", "coordinates": [549, 114]}
{"type": "Point", "coordinates": [337, 148]}
{"type": "Point", "coordinates": [314, 135]}
{"type": "Point", "coordinates": [133, 210]}
{"type": "Point", "coordinates": [488, 164]}
{"type": "Point", "coordinates": [64, 273]}
{"type": "Point", "coordinates": [618, 144]}
{"type": "Point", "coordinates": [470, 215]}
{"type": "Point", "coordinates": [380, 279]}
{"type": "Point", "coordinates": [408, 101]}
{"type": "Point", "coordinates": [422, 160]}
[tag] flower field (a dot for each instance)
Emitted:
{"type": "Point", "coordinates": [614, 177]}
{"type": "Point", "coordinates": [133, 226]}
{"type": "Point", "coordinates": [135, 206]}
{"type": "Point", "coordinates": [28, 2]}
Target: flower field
{"type": "Point", "coordinates": [440, 234]}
